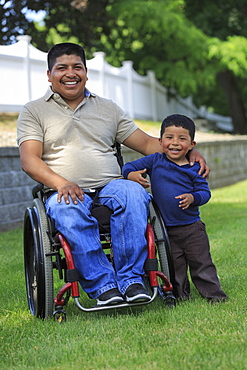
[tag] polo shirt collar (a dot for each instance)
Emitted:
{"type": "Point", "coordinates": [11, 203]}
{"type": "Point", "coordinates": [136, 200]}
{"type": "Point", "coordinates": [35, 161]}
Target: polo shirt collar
{"type": "Point", "coordinates": [50, 93]}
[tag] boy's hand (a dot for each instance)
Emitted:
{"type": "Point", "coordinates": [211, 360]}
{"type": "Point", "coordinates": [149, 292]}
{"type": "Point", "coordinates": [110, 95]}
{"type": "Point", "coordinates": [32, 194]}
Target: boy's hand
{"type": "Point", "coordinates": [186, 201]}
{"type": "Point", "coordinates": [137, 176]}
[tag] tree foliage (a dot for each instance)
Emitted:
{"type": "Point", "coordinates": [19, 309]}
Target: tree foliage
{"type": "Point", "coordinates": [155, 35]}
{"type": "Point", "coordinates": [85, 20]}
{"type": "Point", "coordinates": [219, 18]}
{"type": "Point", "coordinates": [226, 23]}
{"type": "Point", "coordinates": [13, 20]}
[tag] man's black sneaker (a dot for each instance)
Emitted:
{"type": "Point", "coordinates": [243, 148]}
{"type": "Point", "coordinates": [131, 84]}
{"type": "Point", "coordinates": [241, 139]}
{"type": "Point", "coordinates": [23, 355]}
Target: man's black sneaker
{"type": "Point", "coordinates": [136, 293]}
{"type": "Point", "coordinates": [112, 296]}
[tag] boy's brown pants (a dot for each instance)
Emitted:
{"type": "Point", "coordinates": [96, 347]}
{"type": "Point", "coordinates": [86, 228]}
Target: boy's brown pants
{"type": "Point", "coordinates": [190, 249]}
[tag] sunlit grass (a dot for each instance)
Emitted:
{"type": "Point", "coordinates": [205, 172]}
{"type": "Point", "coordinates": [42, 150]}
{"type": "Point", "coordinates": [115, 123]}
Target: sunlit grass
{"type": "Point", "coordinates": [8, 121]}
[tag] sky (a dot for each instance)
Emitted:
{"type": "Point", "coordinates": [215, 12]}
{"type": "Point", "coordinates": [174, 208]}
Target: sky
{"type": "Point", "coordinates": [30, 14]}
{"type": "Point", "coordinates": [34, 16]}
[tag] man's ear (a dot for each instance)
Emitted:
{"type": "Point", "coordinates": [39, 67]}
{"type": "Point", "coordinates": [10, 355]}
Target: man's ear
{"type": "Point", "coordinates": [48, 75]}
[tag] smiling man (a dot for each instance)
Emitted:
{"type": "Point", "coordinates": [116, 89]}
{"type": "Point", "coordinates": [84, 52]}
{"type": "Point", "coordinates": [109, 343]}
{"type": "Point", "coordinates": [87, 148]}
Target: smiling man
{"type": "Point", "coordinates": [68, 76]}
{"type": "Point", "coordinates": [65, 141]}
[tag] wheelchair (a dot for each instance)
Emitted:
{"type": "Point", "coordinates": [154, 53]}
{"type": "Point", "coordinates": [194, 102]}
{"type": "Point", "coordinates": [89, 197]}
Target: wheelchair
{"type": "Point", "coordinates": [46, 250]}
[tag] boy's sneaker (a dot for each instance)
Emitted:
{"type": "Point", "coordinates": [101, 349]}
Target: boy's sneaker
{"type": "Point", "coordinates": [136, 293]}
{"type": "Point", "coordinates": [112, 296]}
{"type": "Point", "coordinates": [216, 300]}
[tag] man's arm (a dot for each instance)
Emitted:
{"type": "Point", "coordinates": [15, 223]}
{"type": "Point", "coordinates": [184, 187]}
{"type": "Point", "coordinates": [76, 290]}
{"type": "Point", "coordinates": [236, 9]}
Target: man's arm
{"type": "Point", "coordinates": [143, 143]}
{"type": "Point", "coordinates": [146, 144]}
{"type": "Point", "coordinates": [36, 168]}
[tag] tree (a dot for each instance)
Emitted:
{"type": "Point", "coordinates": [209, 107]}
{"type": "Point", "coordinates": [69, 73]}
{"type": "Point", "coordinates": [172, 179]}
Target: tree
{"type": "Point", "coordinates": [13, 20]}
{"type": "Point", "coordinates": [218, 18]}
{"type": "Point", "coordinates": [83, 19]}
{"type": "Point", "coordinates": [155, 35]}
{"type": "Point", "coordinates": [226, 23]}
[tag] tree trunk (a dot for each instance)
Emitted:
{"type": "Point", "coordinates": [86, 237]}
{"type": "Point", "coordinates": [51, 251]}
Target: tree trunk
{"type": "Point", "coordinates": [235, 102]}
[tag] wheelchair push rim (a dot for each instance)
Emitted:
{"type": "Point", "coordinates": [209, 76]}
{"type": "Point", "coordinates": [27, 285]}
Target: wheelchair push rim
{"type": "Point", "coordinates": [165, 262]}
{"type": "Point", "coordinates": [38, 266]}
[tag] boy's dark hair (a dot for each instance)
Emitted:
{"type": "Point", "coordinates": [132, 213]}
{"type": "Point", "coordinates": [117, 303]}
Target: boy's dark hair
{"type": "Point", "coordinates": [67, 48]}
{"type": "Point", "coordinates": [178, 120]}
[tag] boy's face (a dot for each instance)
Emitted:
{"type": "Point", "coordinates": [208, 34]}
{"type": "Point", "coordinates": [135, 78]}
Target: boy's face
{"type": "Point", "coordinates": [175, 143]}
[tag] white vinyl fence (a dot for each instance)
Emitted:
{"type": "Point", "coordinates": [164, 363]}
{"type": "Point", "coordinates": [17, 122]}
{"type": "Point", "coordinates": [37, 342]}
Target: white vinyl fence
{"type": "Point", "coordinates": [23, 78]}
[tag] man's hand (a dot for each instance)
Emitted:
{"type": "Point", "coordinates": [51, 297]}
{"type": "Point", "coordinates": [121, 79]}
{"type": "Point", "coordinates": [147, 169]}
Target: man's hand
{"type": "Point", "coordinates": [137, 176]}
{"type": "Point", "coordinates": [195, 156]}
{"type": "Point", "coordinates": [32, 163]}
{"type": "Point", "coordinates": [70, 189]}
{"type": "Point", "coordinates": [186, 201]}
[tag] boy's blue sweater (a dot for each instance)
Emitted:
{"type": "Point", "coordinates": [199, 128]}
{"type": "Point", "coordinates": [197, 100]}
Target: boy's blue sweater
{"type": "Point", "coordinates": [169, 180]}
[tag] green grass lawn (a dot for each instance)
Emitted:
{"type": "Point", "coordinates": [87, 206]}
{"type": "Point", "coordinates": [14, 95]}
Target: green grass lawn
{"type": "Point", "coordinates": [194, 335]}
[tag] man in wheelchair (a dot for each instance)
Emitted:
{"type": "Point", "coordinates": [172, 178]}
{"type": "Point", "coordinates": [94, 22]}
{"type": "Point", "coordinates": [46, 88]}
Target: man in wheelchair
{"type": "Point", "coordinates": [65, 140]}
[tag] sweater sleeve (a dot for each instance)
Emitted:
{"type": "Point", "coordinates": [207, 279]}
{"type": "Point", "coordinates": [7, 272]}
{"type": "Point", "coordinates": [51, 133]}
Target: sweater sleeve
{"type": "Point", "coordinates": [127, 168]}
{"type": "Point", "coordinates": [201, 191]}
{"type": "Point", "coordinates": [137, 165]}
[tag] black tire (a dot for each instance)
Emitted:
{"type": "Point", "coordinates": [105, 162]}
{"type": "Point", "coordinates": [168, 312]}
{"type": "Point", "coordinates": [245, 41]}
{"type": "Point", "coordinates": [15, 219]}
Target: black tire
{"type": "Point", "coordinates": [162, 244]}
{"type": "Point", "coordinates": [38, 266]}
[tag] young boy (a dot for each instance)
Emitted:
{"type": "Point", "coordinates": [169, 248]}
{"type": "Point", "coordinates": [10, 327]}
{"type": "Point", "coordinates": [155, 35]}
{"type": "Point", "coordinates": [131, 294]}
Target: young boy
{"type": "Point", "coordinates": [179, 191]}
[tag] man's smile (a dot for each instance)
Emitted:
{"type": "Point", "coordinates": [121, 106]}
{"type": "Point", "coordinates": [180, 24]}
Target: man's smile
{"type": "Point", "coordinates": [71, 83]}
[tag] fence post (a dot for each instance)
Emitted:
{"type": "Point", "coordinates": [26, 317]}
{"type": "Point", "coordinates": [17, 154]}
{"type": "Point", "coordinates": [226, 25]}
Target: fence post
{"type": "Point", "coordinates": [100, 55]}
{"type": "Point", "coordinates": [152, 79]}
{"type": "Point", "coordinates": [27, 39]}
{"type": "Point", "coordinates": [129, 66]}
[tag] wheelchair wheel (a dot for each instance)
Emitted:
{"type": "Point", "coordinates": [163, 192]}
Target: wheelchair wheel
{"type": "Point", "coordinates": [38, 265]}
{"type": "Point", "coordinates": [162, 244]}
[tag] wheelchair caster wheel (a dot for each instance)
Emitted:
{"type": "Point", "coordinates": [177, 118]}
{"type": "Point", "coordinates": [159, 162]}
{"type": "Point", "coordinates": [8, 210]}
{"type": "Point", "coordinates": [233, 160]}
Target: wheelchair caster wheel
{"type": "Point", "coordinates": [59, 316]}
{"type": "Point", "coordinates": [168, 299]}
{"type": "Point", "coordinates": [170, 303]}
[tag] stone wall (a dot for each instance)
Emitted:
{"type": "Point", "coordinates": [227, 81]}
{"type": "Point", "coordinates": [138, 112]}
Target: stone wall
{"type": "Point", "coordinates": [227, 160]}
{"type": "Point", "coordinates": [15, 189]}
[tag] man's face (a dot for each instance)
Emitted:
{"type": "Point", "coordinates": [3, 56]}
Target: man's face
{"type": "Point", "coordinates": [68, 78]}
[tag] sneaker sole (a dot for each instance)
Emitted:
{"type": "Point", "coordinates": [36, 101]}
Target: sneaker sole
{"type": "Point", "coordinates": [112, 300]}
{"type": "Point", "coordinates": [138, 298]}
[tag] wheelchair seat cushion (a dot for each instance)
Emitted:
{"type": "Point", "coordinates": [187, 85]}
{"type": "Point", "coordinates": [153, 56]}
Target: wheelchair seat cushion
{"type": "Point", "coordinates": [102, 214]}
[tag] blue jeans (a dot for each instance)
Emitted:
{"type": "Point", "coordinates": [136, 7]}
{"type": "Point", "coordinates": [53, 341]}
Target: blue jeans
{"type": "Point", "coordinates": [130, 204]}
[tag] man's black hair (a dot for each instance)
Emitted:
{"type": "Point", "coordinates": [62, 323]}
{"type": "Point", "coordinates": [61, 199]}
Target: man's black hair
{"type": "Point", "coordinates": [67, 48]}
{"type": "Point", "coordinates": [178, 120]}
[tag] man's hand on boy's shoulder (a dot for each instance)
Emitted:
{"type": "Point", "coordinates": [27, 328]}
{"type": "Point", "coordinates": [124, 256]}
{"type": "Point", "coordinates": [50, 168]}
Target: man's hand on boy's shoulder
{"type": "Point", "coordinates": [195, 156]}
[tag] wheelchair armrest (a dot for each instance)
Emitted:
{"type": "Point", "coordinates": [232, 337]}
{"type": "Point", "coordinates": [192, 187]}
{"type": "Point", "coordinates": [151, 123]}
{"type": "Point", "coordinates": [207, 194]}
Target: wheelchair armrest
{"type": "Point", "coordinates": [36, 189]}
